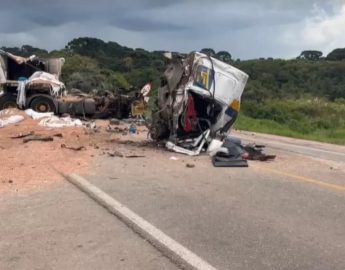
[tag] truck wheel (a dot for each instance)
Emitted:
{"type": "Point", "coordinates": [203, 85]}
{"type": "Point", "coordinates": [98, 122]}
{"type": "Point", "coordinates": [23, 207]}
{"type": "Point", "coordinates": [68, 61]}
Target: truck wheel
{"type": "Point", "coordinates": [8, 101]}
{"type": "Point", "coordinates": [42, 104]}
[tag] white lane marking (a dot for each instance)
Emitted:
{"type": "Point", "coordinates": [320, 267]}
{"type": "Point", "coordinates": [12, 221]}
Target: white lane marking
{"type": "Point", "coordinates": [168, 246]}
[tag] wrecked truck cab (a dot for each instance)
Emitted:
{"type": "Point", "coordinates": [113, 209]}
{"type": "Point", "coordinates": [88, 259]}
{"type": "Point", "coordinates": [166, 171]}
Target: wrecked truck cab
{"type": "Point", "coordinates": [30, 82]}
{"type": "Point", "coordinates": [198, 101]}
{"type": "Point", "coordinates": [34, 83]}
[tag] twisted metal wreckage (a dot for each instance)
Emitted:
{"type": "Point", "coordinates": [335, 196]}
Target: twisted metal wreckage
{"type": "Point", "coordinates": [34, 83]}
{"type": "Point", "coordinates": [198, 102]}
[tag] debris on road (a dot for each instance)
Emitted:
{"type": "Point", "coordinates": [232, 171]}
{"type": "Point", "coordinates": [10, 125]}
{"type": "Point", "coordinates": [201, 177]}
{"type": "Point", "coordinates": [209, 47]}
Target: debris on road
{"type": "Point", "coordinates": [115, 154]}
{"type": "Point", "coordinates": [123, 131]}
{"type": "Point", "coordinates": [114, 122]}
{"type": "Point", "coordinates": [190, 165]}
{"type": "Point", "coordinates": [13, 119]}
{"type": "Point", "coordinates": [230, 154]}
{"type": "Point", "coordinates": [135, 156]}
{"type": "Point", "coordinates": [132, 129]}
{"type": "Point", "coordinates": [233, 154]}
{"type": "Point", "coordinates": [22, 135]}
{"type": "Point", "coordinates": [60, 122]}
{"type": "Point", "coordinates": [75, 148]}
{"type": "Point", "coordinates": [255, 152]}
{"type": "Point", "coordinates": [38, 115]}
{"type": "Point", "coordinates": [59, 135]}
{"type": "Point", "coordinates": [42, 138]}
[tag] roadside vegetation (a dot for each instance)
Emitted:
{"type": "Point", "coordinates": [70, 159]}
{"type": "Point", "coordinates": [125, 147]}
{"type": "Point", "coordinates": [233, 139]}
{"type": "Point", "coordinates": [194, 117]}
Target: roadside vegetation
{"type": "Point", "coordinates": [302, 97]}
{"type": "Point", "coordinates": [313, 119]}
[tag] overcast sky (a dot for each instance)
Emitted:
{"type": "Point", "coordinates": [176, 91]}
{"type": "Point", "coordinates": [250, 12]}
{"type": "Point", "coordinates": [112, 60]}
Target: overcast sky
{"type": "Point", "coordinates": [245, 28]}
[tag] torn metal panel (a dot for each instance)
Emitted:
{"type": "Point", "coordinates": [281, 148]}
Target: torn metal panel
{"type": "Point", "coordinates": [3, 69]}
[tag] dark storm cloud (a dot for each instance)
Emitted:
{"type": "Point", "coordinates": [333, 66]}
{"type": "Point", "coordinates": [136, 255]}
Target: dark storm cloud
{"type": "Point", "coordinates": [55, 13]}
{"type": "Point", "coordinates": [145, 24]}
{"type": "Point", "coordinates": [160, 24]}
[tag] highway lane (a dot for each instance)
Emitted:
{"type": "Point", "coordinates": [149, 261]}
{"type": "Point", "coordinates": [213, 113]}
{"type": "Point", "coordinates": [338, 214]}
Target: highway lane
{"type": "Point", "coordinates": [60, 228]}
{"type": "Point", "coordinates": [286, 214]}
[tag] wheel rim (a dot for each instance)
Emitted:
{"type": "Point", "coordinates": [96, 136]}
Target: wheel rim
{"type": "Point", "coordinates": [43, 107]}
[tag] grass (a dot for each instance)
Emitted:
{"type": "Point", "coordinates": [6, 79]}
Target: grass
{"type": "Point", "coordinates": [334, 135]}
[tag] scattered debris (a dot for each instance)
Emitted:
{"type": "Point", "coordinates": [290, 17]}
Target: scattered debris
{"type": "Point", "coordinates": [38, 115]}
{"type": "Point", "coordinates": [190, 165]}
{"type": "Point", "coordinates": [59, 135]}
{"type": "Point", "coordinates": [135, 156]}
{"type": "Point", "coordinates": [77, 148]}
{"type": "Point", "coordinates": [114, 122]}
{"type": "Point", "coordinates": [174, 158]}
{"type": "Point", "coordinates": [255, 152]}
{"type": "Point", "coordinates": [123, 131]}
{"type": "Point", "coordinates": [42, 138]}
{"type": "Point", "coordinates": [132, 129]}
{"type": "Point", "coordinates": [91, 125]}
{"type": "Point", "coordinates": [115, 154]}
{"type": "Point", "coordinates": [9, 111]}
{"type": "Point", "coordinates": [22, 135]}
{"type": "Point", "coordinates": [13, 119]}
{"type": "Point", "coordinates": [145, 143]}
{"type": "Point", "coordinates": [220, 160]}
{"type": "Point", "coordinates": [59, 122]}
{"type": "Point", "coordinates": [233, 154]}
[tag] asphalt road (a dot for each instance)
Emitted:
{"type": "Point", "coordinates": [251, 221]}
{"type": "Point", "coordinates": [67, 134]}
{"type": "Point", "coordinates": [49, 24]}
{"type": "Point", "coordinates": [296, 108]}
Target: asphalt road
{"type": "Point", "coordinates": [60, 228]}
{"type": "Point", "coordinates": [286, 214]}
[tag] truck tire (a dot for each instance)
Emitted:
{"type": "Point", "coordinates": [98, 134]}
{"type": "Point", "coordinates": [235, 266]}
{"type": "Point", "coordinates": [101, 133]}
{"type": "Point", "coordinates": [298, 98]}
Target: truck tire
{"type": "Point", "coordinates": [43, 104]}
{"type": "Point", "coordinates": [8, 101]}
{"type": "Point", "coordinates": [89, 106]}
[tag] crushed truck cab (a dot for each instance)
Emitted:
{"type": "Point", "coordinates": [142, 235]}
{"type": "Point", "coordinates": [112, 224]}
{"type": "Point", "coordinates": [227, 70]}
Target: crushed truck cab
{"type": "Point", "coordinates": [30, 82]}
{"type": "Point", "coordinates": [198, 101]}
{"type": "Point", "coordinates": [34, 83]}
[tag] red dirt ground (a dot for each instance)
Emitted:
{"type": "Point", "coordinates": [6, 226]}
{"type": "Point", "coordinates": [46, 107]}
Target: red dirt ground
{"type": "Point", "coordinates": [30, 165]}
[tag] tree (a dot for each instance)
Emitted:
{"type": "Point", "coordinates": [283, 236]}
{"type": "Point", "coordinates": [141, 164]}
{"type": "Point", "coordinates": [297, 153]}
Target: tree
{"type": "Point", "coordinates": [310, 55]}
{"type": "Point", "coordinates": [128, 63]}
{"type": "Point", "coordinates": [337, 54]}
{"type": "Point", "coordinates": [224, 56]}
{"type": "Point", "coordinates": [208, 51]}
{"type": "Point", "coordinates": [26, 51]}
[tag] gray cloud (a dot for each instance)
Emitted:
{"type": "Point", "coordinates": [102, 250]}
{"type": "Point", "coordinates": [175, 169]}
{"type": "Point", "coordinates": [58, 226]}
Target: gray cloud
{"type": "Point", "coordinates": [246, 28]}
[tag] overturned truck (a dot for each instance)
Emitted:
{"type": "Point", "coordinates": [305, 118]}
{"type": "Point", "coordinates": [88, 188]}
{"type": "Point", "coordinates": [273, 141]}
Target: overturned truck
{"type": "Point", "coordinates": [198, 102]}
{"type": "Point", "coordinates": [34, 83]}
